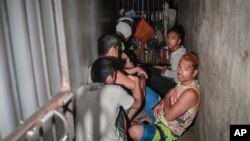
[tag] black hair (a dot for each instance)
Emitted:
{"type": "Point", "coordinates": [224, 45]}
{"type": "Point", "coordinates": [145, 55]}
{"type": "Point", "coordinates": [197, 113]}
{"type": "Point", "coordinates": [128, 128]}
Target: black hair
{"type": "Point", "coordinates": [105, 42]}
{"type": "Point", "coordinates": [179, 29]}
{"type": "Point", "coordinates": [194, 53]}
{"type": "Point", "coordinates": [102, 68]}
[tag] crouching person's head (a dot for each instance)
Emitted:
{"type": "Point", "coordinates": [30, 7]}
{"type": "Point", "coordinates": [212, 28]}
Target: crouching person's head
{"type": "Point", "coordinates": [104, 70]}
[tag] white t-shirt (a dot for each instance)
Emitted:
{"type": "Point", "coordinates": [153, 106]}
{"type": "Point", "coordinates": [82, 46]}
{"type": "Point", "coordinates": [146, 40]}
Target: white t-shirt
{"type": "Point", "coordinates": [174, 61]}
{"type": "Point", "coordinates": [89, 75]}
{"type": "Point", "coordinates": [111, 98]}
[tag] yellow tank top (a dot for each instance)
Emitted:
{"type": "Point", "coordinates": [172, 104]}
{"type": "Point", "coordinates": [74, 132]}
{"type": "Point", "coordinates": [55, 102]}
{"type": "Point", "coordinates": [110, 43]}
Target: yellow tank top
{"type": "Point", "coordinates": [179, 125]}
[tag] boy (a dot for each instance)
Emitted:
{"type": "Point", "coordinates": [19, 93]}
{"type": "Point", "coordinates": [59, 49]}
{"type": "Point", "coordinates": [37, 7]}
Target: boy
{"type": "Point", "coordinates": [113, 96]}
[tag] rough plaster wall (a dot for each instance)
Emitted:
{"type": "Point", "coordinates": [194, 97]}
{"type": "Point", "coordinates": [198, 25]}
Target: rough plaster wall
{"type": "Point", "coordinates": [219, 31]}
{"type": "Point", "coordinates": [85, 21]}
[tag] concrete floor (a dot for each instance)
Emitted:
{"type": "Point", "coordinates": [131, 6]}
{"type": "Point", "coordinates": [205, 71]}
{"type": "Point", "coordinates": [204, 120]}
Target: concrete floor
{"type": "Point", "coordinates": [189, 135]}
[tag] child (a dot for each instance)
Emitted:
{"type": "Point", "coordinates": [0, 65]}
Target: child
{"type": "Point", "coordinates": [177, 110]}
{"type": "Point", "coordinates": [113, 96]}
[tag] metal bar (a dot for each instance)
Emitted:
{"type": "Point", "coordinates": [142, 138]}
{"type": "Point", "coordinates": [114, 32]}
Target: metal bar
{"type": "Point", "coordinates": [17, 105]}
{"type": "Point", "coordinates": [50, 43]}
{"type": "Point", "coordinates": [9, 117]}
{"type": "Point", "coordinates": [63, 59]}
{"type": "Point", "coordinates": [36, 47]}
{"type": "Point", "coordinates": [33, 134]}
{"type": "Point", "coordinates": [43, 51]}
{"type": "Point", "coordinates": [22, 57]}
{"type": "Point", "coordinates": [65, 125]}
{"type": "Point", "coordinates": [36, 118]}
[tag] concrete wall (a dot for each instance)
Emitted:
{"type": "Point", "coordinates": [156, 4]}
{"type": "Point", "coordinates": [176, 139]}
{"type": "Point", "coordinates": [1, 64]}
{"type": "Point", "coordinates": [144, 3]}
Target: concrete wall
{"type": "Point", "coordinates": [219, 31]}
{"type": "Point", "coordinates": [85, 21]}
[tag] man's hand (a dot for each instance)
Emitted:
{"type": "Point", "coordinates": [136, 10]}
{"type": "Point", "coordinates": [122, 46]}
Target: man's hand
{"type": "Point", "coordinates": [140, 72]}
{"type": "Point", "coordinates": [161, 67]}
{"type": "Point", "coordinates": [136, 70]}
{"type": "Point", "coordinates": [157, 109]}
{"type": "Point", "coordinates": [128, 64]}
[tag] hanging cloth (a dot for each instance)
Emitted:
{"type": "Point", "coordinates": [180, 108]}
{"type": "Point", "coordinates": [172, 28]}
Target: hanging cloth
{"type": "Point", "coordinates": [143, 31]}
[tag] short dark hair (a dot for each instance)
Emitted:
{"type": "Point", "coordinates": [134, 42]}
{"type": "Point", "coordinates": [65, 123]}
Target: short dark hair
{"type": "Point", "coordinates": [105, 42]}
{"type": "Point", "coordinates": [102, 68]}
{"type": "Point", "coordinates": [179, 29]}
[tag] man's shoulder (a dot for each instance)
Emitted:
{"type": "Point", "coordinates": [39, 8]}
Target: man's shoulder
{"type": "Point", "coordinates": [112, 88]}
{"type": "Point", "coordinates": [182, 49]}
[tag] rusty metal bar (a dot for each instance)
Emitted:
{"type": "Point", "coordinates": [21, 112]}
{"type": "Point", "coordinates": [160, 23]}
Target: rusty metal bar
{"type": "Point", "coordinates": [29, 127]}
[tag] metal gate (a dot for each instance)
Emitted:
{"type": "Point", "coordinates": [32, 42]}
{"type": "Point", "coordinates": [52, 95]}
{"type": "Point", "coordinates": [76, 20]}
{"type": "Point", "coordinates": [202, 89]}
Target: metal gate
{"type": "Point", "coordinates": [33, 62]}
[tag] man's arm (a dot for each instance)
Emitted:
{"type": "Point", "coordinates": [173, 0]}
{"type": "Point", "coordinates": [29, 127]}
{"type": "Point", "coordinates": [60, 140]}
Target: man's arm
{"type": "Point", "coordinates": [138, 98]}
{"type": "Point", "coordinates": [188, 99]}
{"type": "Point", "coordinates": [158, 106]}
{"type": "Point", "coordinates": [142, 81]}
{"type": "Point", "coordinates": [124, 80]}
{"type": "Point", "coordinates": [136, 70]}
{"type": "Point", "coordinates": [128, 63]}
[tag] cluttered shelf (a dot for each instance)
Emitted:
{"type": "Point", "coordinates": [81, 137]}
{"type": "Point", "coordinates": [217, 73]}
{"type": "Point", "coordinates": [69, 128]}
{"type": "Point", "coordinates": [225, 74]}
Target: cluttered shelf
{"type": "Point", "coordinates": [150, 20]}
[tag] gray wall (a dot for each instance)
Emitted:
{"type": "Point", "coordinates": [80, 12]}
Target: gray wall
{"type": "Point", "coordinates": [85, 21]}
{"type": "Point", "coordinates": [219, 31]}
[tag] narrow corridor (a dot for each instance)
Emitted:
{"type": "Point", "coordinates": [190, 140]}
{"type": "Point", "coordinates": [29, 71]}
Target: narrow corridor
{"type": "Point", "coordinates": [47, 47]}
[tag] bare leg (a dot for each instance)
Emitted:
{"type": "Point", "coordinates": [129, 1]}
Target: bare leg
{"type": "Point", "coordinates": [136, 132]}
